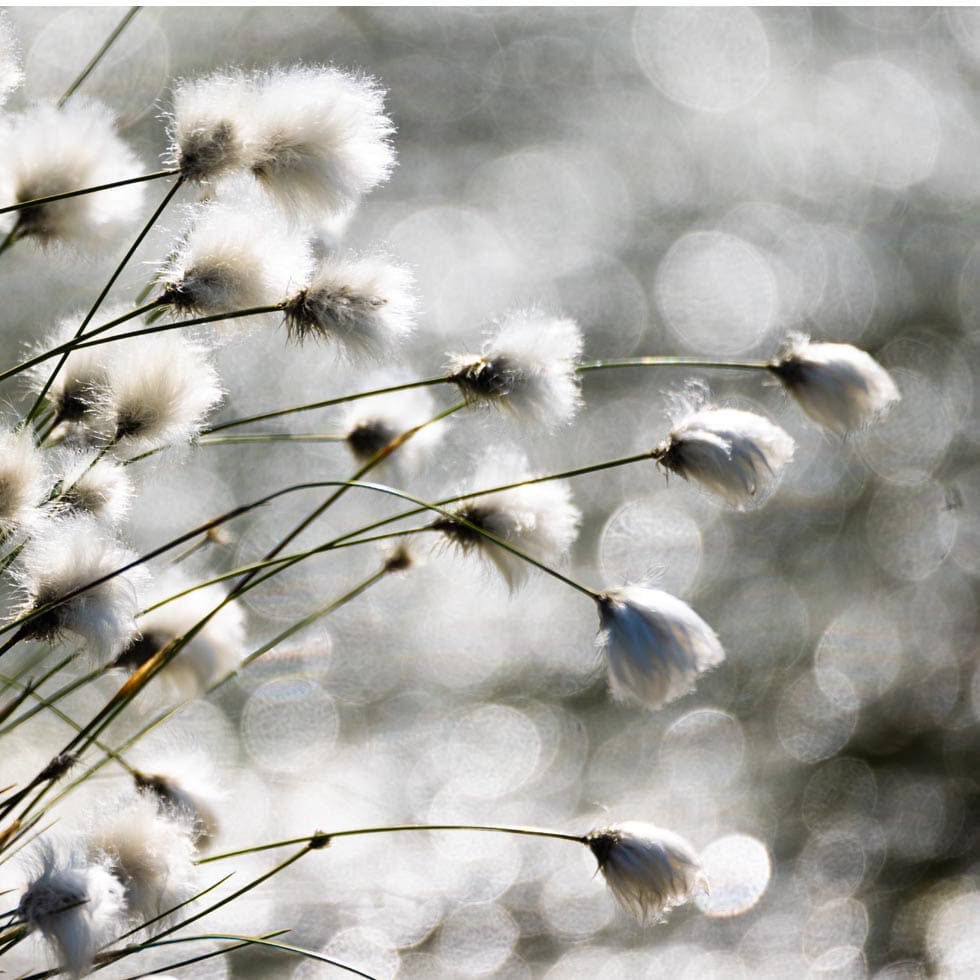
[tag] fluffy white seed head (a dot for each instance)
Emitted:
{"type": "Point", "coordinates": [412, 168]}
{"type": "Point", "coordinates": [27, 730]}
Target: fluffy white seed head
{"type": "Point", "coordinates": [184, 797]}
{"type": "Point", "coordinates": [88, 485]}
{"type": "Point", "coordinates": [76, 904]}
{"type": "Point", "coordinates": [150, 852]}
{"type": "Point", "coordinates": [11, 72]}
{"type": "Point", "coordinates": [49, 151]}
{"type": "Point", "coordinates": [208, 126]}
{"type": "Point", "coordinates": [233, 258]}
{"type": "Point", "coordinates": [23, 482]}
{"type": "Point", "coordinates": [736, 454]}
{"type": "Point", "coordinates": [539, 520]}
{"type": "Point", "coordinates": [158, 392]}
{"type": "Point", "coordinates": [527, 365]}
{"type": "Point", "coordinates": [212, 653]}
{"type": "Point", "coordinates": [839, 386]}
{"type": "Point", "coordinates": [64, 556]}
{"type": "Point", "coordinates": [318, 139]}
{"type": "Point", "coordinates": [654, 645]}
{"type": "Point", "coordinates": [648, 870]}
{"type": "Point", "coordinates": [365, 305]}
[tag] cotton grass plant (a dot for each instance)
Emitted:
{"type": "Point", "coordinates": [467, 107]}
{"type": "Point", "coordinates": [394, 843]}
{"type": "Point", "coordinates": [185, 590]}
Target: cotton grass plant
{"type": "Point", "coordinates": [112, 865]}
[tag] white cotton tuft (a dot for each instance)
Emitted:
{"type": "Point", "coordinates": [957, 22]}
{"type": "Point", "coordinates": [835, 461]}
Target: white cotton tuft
{"type": "Point", "coordinates": [736, 454]}
{"type": "Point", "coordinates": [150, 852]}
{"type": "Point", "coordinates": [528, 365]}
{"type": "Point", "coordinates": [649, 870]}
{"type": "Point", "coordinates": [366, 305]}
{"type": "Point", "coordinates": [186, 790]}
{"type": "Point", "coordinates": [654, 645]}
{"type": "Point", "coordinates": [839, 386]}
{"type": "Point", "coordinates": [211, 654]}
{"type": "Point", "coordinates": [318, 139]}
{"type": "Point", "coordinates": [232, 258]}
{"type": "Point", "coordinates": [158, 392]}
{"type": "Point", "coordinates": [23, 481]}
{"type": "Point", "coordinates": [77, 905]}
{"type": "Point", "coordinates": [11, 72]}
{"type": "Point", "coordinates": [49, 151]}
{"type": "Point", "coordinates": [67, 555]}
{"type": "Point", "coordinates": [89, 485]}
{"type": "Point", "coordinates": [208, 125]}
{"type": "Point", "coordinates": [539, 520]}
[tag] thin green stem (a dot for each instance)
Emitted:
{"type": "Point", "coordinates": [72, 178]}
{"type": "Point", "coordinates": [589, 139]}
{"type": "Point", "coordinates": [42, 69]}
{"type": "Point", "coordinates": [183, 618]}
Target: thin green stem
{"type": "Point", "coordinates": [37, 202]}
{"type": "Point", "coordinates": [99, 55]}
{"type": "Point", "coordinates": [323, 839]}
{"type": "Point", "coordinates": [669, 360]}
{"type": "Point", "coordinates": [10, 239]}
{"type": "Point", "coordinates": [271, 437]}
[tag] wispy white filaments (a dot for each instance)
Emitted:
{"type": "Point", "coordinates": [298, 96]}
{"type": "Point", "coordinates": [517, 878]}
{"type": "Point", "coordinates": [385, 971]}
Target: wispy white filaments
{"type": "Point", "coordinates": [50, 151]}
{"type": "Point", "coordinates": [737, 454]}
{"type": "Point", "coordinates": [22, 481]}
{"type": "Point", "coordinates": [654, 645]}
{"type": "Point", "coordinates": [649, 870]}
{"type": "Point", "coordinates": [839, 386]}
{"type": "Point", "coordinates": [539, 520]}
{"type": "Point", "coordinates": [366, 305]}
{"type": "Point", "coordinates": [77, 905]}
{"type": "Point", "coordinates": [11, 73]}
{"type": "Point", "coordinates": [67, 555]}
{"type": "Point", "coordinates": [87, 485]}
{"type": "Point", "coordinates": [527, 365]}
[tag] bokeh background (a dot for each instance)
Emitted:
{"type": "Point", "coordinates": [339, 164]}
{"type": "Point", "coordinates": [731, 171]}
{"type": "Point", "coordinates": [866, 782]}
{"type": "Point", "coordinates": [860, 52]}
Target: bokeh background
{"type": "Point", "coordinates": [679, 180]}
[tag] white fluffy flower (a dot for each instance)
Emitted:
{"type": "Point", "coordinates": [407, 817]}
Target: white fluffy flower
{"type": "Point", "coordinates": [49, 151]}
{"type": "Point", "coordinates": [22, 480]}
{"type": "Point", "coordinates": [67, 555]}
{"type": "Point", "coordinates": [233, 258]}
{"type": "Point", "coordinates": [649, 870]}
{"type": "Point", "coordinates": [539, 520]}
{"type": "Point", "coordinates": [654, 645]}
{"type": "Point", "coordinates": [318, 139]}
{"type": "Point", "coordinates": [213, 652]}
{"type": "Point", "coordinates": [738, 455]}
{"type": "Point", "coordinates": [839, 386]}
{"type": "Point", "coordinates": [528, 365]}
{"type": "Point", "coordinates": [151, 852]}
{"type": "Point", "coordinates": [157, 392]}
{"type": "Point", "coordinates": [190, 795]}
{"type": "Point", "coordinates": [100, 487]}
{"type": "Point", "coordinates": [365, 304]}
{"type": "Point", "coordinates": [84, 371]}
{"type": "Point", "coordinates": [76, 904]}
{"type": "Point", "coordinates": [208, 125]}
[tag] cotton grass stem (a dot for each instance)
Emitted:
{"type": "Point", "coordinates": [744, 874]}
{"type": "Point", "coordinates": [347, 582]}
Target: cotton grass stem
{"type": "Point", "coordinates": [80, 192]}
{"type": "Point", "coordinates": [99, 55]}
{"type": "Point", "coordinates": [669, 360]}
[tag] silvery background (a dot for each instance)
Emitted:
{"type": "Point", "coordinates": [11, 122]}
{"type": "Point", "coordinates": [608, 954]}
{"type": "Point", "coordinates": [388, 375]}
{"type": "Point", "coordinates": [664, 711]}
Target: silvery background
{"type": "Point", "coordinates": [680, 181]}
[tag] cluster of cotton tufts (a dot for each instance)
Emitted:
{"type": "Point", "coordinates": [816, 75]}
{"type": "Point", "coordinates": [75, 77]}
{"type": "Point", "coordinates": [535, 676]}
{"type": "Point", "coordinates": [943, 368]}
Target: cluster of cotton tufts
{"type": "Point", "coordinates": [648, 869]}
{"type": "Point", "coordinates": [316, 139]}
{"type": "Point", "coordinates": [527, 365]}
{"type": "Point", "coordinates": [233, 257]}
{"type": "Point", "coordinates": [736, 454]}
{"type": "Point", "coordinates": [150, 852]}
{"type": "Point", "coordinates": [11, 73]}
{"type": "Point", "coordinates": [839, 386]}
{"type": "Point", "coordinates": [76, 904]}
{"type": "Point", "coordinates": [50, 151]}
{"type": "Point", "coordinates": [365, 304]}
{"type": "Point", "coordinates": [538, 520]}
{"type": "Point", "coordinates": [89, 485]}
{"type": "Point", "coordinates": [68, 555]}
{"type": "Point", "coordinates": [23, 483]}
{"type": "Point", "coordinates": [214, 651]}
{"type": "Point", "coordinates": [654, 645]}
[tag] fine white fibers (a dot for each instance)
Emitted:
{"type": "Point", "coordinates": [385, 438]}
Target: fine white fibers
{"type": "Point", "coordinates": [649, 870]}
{"type": "Point", "coordinates": [539, 520]}
{"type": "Point", "coordinates": [366, 304]}
{"type": "Point", "coordinates": [88, 485]}
{"type": "Point", "coordinates": [158, 392]}
{"type": "Point", "coordinates": [150, 852]}
{"type": "Point", "coordinates": [76, 904]}
{"type": "Point", "coordinates": [233, 258]}
{"type": "Point", "coordinates": [207, 127]}
{"type": "Point", "coordinates": [839, 386]}
{"type": "Point", "coordinates": [84, 371]}
{"type": "Point", "coordinates": [49, 151]}
{"type": "Point", "coordinates": [318, 139]}
{"type": "Point", "coordinates": [654, 645]}
{"type": "Point", "coordinates": [11, 73]}
{"type": "Point", "coordinates": [212, 653]}
{"type": "Point", "coordinates": [66, 555]}
{"type": "Point", "coordinates": [528, 365]}
{"type": "Point", "coordinates": [738, 455]}
{"type": "Point", "coordinates": [22, 480]}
